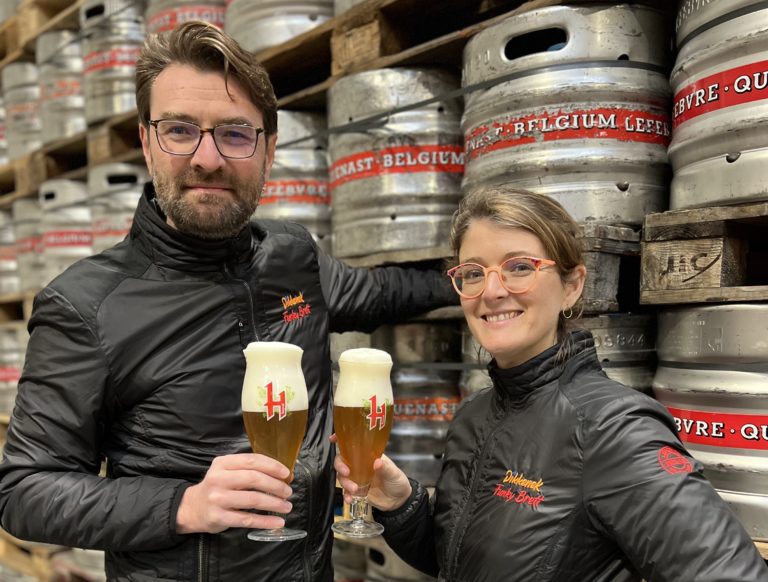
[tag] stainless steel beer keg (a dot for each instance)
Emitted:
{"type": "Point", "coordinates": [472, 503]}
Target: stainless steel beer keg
{"type": "Point", "coordinates": [114, 32]}
{"type": "Point", "coordinates": [719, 145]}
{"type": "Point", "coordinates": [712, 376]}
{"type": "Point", "coordinates": [62, 101]}
{"type": "Point", "coordinates": [3, 139]}
{"type": "Point", "coordinates": [164, 15]}
{"type": "Point", "coordinates": [9, 274]}
{"type": "Point", "coordinates": [626, 347]}
{"type": "Point", "coordinates": [260, 24]}
{"type": "Point", "coordinates": [114, 191]}
{"type": "Point", "coordinates": [425, 380]}
{"type": "Point", "coordinates": [27, 228]}
{"type": "Point", "coordinates": [21, 93]}
{"type": "Point", "coordinates": [341, 6]}
{"type": "Point", "coordinates": [65, 224]}
{"type": "Point", "coordinates": [13, 343]}
{"type": "Point", "coordinates": [580, 111]}
{"type": "Point", "coordinates": [396, 183]}
{"type": "Point", "coordinates": [474, 375]}
{"type": "Point", "coordinates": [297, 189]}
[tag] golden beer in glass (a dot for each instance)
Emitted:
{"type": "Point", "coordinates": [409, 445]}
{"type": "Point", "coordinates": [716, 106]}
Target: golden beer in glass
{"type": "Point", "coordinates": [275, 409]}
{"type": "Point", "coordinates": [362, 417]}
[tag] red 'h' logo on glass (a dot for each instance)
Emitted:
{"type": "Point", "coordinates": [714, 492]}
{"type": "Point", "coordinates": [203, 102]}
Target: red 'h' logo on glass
{"type": "Point", "coordinates": [275, 406]}
{"type": "Point", "coordinates": [377, 415]}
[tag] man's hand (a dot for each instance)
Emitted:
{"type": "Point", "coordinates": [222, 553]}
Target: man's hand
{"type": "Point", "coordinates": [232, 484]}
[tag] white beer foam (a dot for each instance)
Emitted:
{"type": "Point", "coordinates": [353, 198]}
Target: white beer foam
{"type": "Point", "coordinates": [364, 372]}
{"type": "Point", "coordinates": [280, 364]}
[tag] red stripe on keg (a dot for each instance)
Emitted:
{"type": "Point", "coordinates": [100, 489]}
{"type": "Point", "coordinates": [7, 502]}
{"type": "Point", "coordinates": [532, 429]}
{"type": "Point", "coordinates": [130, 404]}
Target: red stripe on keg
{"type": "Point", "coordinates": [432, 409]}
{"type": "Point", "coordinates": [67, 238]}
{"type": "Point", "coordinates": [619, 124]}
{"type": "Point", "coordinates": [110, 233]}
{"type": "Point", "coordinates": [60, 89]}
{"type": "Point", "coordinates": [724, 89]}
{"type": "Point", "coordinates": [296, 191]}
{"type": "Point", "coordinates": [118, 57]}
{"type": "Point", "coordinates": [398, 160]}
{"type": "Point", "coordinates": [31, 244]}
{"type": "Point", "coordinates": [169, 19]}
{"type": "Point", "coordinates": [9, 374]}
{"type": "Point", "coordinates": [717, 429]}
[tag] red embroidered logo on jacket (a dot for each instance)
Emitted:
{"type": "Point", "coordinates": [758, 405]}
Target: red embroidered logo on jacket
{"type": "Point", "coordinates": [295, 307]}
{"type": "Point", "coordinates": [673, 462]}
{"type": "Point", "coordinates": [517, 488]}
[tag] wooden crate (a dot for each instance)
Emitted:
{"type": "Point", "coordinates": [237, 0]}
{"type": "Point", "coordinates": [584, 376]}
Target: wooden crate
{"type": "Point", "coordinates": [65, 158]}
{"type": "Point", "coordinates": [705, 255]}
{"type": "Point", "coordinates": [115, 140]}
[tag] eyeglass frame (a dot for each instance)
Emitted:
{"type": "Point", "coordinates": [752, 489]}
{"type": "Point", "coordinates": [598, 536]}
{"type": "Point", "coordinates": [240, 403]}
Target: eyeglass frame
{"type": "Point", "coordinates": [203, 131]}
{"type": "Point", "coordinates": [537, 263]}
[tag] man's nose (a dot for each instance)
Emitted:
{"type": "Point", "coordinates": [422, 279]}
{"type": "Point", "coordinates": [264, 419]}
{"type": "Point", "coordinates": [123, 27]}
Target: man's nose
{"type": "Point", "coordinates": [207, 155]}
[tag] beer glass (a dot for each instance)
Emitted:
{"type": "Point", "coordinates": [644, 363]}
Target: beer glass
{"type": "Point", "coordinates": [275, 408]}
{"type": "Point", "coordinates": [362, 415]}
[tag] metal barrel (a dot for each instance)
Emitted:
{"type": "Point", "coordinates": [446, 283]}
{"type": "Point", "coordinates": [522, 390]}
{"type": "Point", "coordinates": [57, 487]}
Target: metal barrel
{"type": "Point", "coordinates": [341, 6]}
{"type": "Point", "coordinates": [474, 376]}
{"type": "Point", "coordinates": [712, 376]}
{"type": "Point", "coordinates": [720, 79]}
{"type": "Point", "coordinates": [3, 138]}
{"type": "Point", "coordinates": [65, 224]}
{"type": "Point", "coordinates": [8, 9]}
{"type": "Point", "coordinates": [164, 15]}
{"type": "Point", "coordinates": [21, 93]}
{"type": "Point", "coordinates": [9, 274]}
{"type": "Point", "coordinates": [62, 101]}
{"type": "Point", "coordinates": [13, 343]}
{"type": "Point", "coordinates": [425, 380]}
{"type": "Point", "coordinates": [395, 183]}
{"type": "Point", "coordinates": [577, 109]}
{"type": "Point", "coordinates": [114, 32]}
{"type": "Point", "coordinates": [27, 228]}
{"type": "Point", "coordinates": [113, 193]}
{"type": "Point", "coordinates": [297, 189]}
{"type": "Point", "coordinates": [626, 347]}
{"type": "Point", "coordinates": [260, 24]}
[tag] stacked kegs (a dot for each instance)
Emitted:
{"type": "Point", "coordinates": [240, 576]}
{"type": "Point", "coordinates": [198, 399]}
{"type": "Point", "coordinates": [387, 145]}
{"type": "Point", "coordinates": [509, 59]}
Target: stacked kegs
{"type": "Point", "coordinates": [425, 381]}
{"type": "Point", "coordinates": [9, 274]}
{"type": "Point", "coordinates": [579, 110]}
{"type": "Point", "coordinates": [21, 93]}
{"type": "Point", "coordinates": [260, 24]}
{"type": "Point", "coordinates": [719, 141]}
{"type": "Point", "coordinates": [712, 376]}
{"type": "Point", "coordinates": [114, 32]}
{"type": "Point", "coordinates": [164, 15]}
{"type": "Point", "coordinates": [60, 63]}
{"type": "Point", "coordinates": [297, 189]}
{"type": "Point", "coordinates": [626, 347]}
{"type": "Point", "coordinates": [396, 181]}
{"type": "Point", "coordinates": [114, 191]}
{"type": "Point", "coordinates": [13, 343]}
{"type": "Point", "coordinates": [65, 224]}
{"type": "Point", "coordinates": [3, 140]}
{"type": "Point", "coordinates": [27, 217]}
{"type": "Point", "coordinates": [474, 375]}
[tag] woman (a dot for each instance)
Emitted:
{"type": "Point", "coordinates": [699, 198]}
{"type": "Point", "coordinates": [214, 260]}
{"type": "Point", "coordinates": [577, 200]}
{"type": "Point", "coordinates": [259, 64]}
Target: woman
{"type": "Point", "coordinates": [557, 472]}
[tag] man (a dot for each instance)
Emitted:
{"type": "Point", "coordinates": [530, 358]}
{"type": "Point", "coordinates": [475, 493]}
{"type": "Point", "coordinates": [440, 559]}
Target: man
{"type": "Point", "coordinates": [135, 355]}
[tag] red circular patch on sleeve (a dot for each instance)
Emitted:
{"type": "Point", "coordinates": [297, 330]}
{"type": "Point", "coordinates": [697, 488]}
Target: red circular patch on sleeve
{"type": "Point", "coordinates": [673, 462]}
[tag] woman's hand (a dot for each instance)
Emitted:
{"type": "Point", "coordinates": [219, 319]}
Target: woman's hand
{"type": "Point", "coordinates": [389, 488]}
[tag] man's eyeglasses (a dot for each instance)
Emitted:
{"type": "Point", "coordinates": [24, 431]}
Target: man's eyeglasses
{"type": "Point", "coordinates": [182, 138]}
{"type": "Point", "coordinates": [517, 275]}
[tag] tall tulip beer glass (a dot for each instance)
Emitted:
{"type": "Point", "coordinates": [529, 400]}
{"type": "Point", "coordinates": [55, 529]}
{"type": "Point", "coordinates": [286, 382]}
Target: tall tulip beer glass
{"type": "Point", "coordinates": [362, 415]}
{"type": "Point", "coordinates": [275, 409]}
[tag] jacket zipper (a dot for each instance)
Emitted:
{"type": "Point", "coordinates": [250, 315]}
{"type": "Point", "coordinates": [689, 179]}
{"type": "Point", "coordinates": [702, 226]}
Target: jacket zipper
{"type": "Point", "coordinates": [458, 536]}
{"type": "Point", "coordinates": [240, 324]}
{"type": "Point", "coordinates": [202, 558]}
{"type": "Point", "coordinates": [310, 509]}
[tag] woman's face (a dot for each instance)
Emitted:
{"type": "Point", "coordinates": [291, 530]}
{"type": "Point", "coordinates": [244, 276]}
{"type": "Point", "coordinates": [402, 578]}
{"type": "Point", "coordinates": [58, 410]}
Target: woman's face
{"type": "Point", "coordinates": [514, 328]}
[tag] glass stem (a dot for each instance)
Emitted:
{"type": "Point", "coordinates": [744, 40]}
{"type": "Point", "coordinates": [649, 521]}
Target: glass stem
{"type": "Point", "coordinates": [358, 509]}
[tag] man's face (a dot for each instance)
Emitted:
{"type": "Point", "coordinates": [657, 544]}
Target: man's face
{"type": "Point", "coordinates": [205, 194]}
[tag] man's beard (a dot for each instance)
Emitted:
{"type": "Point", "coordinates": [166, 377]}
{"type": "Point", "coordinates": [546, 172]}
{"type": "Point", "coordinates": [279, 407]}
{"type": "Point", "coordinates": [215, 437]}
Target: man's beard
{"type": "Point", "coordinates": [211, 216]}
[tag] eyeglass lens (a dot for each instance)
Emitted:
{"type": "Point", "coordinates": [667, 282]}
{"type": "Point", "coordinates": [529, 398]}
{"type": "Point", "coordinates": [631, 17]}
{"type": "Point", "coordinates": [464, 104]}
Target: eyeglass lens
{"type": "Point", "coordinates": [516, 275]}
{"type": "Point", "coordinates": [181, 138]}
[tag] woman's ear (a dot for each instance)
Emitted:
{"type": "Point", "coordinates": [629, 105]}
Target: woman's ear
{"type": "Point", "coordinates": [574, 286]}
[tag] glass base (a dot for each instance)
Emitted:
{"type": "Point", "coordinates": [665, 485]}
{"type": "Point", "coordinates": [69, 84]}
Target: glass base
{"type": "Point", "coordinates": [355, 528]}
{"type": "Point", "coordinates": [281, 534]}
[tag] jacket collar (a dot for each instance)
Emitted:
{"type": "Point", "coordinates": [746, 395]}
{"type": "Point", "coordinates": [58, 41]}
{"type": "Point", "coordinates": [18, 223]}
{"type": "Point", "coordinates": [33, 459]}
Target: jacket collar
{"type": "Point", "coordinates": [518, 383]}
{"type": "Point", "coordinates": [170, 248]}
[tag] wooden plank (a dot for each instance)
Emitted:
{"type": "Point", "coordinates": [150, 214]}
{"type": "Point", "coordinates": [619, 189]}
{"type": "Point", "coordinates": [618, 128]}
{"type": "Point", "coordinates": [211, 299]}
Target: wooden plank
{"type": "Point", "coordinates": [113, 138]}
{"type": "Point", "coordinates": [67, 18]}
{"type": "Point", "coordinates": [762, 547]}
{"type": "Point", "coordinates": [711, 295]}
{"type": "Point", "coordinates": [7, 178]}
{"type": "Point", "coordinates": [36, 14]}
{"type": "Point", "coordinates": [9, 36]}
{"type": "Point", "coordinates": [699, 222]}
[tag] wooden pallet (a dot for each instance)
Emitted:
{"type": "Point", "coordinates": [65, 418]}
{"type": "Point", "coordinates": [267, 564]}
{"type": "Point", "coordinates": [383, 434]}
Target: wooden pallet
{"type": "Point", "coordinates": [9, 37]}
{"type": "Point", "coordinates": [705, 255]}
{"type": "Point", "coordinates": [115, 140]}
{"type": "Point", "coordinates": [38, 16]}
{"type": "Point", "coordinates": [16, 308]}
